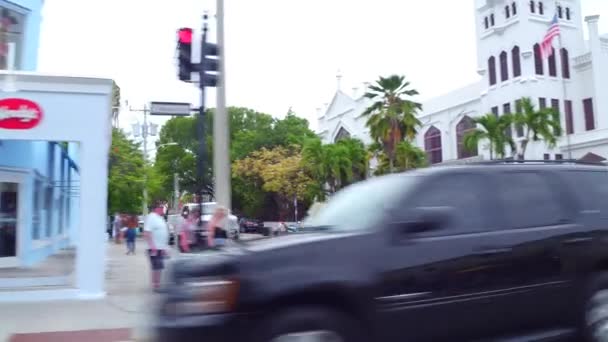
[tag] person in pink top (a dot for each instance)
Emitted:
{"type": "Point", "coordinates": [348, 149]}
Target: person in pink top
{"type": "Point", "coordinates": [187, 231]}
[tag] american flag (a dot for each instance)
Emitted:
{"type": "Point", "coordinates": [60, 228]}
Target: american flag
{"type": "Point", "coordinates": [546, 46]}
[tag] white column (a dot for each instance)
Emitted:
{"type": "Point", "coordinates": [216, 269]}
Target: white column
{"type": "Point", "coordinates": [91, 253]}
{"type": "Point", "coordinates": [600, 102]}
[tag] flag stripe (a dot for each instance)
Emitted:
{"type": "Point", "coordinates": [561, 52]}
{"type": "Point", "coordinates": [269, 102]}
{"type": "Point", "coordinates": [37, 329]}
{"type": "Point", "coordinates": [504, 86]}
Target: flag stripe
{"type": "Point", "coordinates": [546, 46]}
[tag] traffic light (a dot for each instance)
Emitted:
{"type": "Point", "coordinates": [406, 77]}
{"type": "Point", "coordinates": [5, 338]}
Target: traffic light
{"type": "Point", "coordinates": [184, 51]}
{"type": "Point", "coordinates": [209, 66]}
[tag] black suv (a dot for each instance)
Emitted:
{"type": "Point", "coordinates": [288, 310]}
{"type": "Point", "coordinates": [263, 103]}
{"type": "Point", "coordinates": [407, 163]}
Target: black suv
{"type": "Point", "coordinates": [463, 253]}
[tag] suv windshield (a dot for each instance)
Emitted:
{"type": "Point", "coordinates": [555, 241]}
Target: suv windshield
{"type": "Point", "coordinates": [359, 205]}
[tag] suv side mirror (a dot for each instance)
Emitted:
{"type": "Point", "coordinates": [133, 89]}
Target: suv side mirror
{"type": "Point", "coordinates": [424, 219]}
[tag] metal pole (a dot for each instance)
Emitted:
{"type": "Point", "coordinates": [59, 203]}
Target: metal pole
{"type": "Point", "coordinates": [221, 129]}
{"type": "Point", "coordinates": [565, 93]}
{"type": "Point", "coordinates": [176, 191]}
{"type": "Point", "coordinates": [145, 137]}
{"type": "Point", "coordinates": [202, 146]}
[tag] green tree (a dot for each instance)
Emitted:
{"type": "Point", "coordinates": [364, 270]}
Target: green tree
{"type": "Point", "coordinates": [407, 157]}
{"type": "Point", "coordinates": [249, 131]}
{"type": "Point", "coordinates": [542, 124]}
{"type": "Point", "coordinates": [334, 166]}
{"type": "Point", "coordinates": [291, 130]}
{"type": "Point", "coordinates": [392, 115]}
{"type": "Point", "coordinates": [115, 95]}
{"type": "Point", "coordinates": [277, 171]}
{"type": "Point", "coordinates": [126, 175]}
{"type": "Point", "coordinates": [493, 129]}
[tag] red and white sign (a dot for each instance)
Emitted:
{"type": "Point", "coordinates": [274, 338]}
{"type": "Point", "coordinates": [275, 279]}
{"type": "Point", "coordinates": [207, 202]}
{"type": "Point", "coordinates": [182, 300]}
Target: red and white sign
{"type": "Point", "coordinates": [18, 113]}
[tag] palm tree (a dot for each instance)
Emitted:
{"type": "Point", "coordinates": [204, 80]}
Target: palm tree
{"type": "Point", "coordinates": [542, 124]}
{"type": "Point", "coordinates": [409, 156]}
{"type": "Point", "coordinates": [493, 129]}
{"type": "Point", "coordinates": [357, 154]}
{"type": "Point", "coordinates": [392, 117]}
{"type": "Point", "coordinates": [330, 165]}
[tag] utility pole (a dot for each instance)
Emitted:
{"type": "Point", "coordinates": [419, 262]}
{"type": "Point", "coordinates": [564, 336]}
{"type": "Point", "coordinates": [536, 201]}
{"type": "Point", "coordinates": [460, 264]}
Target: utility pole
{"type": "Point", "coordinates": [221, 129]}
{"type": "Point", "coordinates": [145, 131]}
{"type": "Point", "coordinates": [176, 191]}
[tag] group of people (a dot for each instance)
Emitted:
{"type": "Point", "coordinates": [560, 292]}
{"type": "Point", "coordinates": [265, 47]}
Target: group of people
{"type": "Point", "coordinates": [156, 234]}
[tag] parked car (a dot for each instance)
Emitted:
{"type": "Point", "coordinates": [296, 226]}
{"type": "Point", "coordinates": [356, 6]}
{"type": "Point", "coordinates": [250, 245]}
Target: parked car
{"type": "Point", "coordinates": [459, 253]}
{"type": "Point", "coordinates": [174, 222]}
{"type": "Point", "coordinates": [248, 225]}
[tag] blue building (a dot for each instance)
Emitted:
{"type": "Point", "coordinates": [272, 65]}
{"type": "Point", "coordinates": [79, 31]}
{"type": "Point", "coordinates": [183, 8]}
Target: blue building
{"type": "Point", "coordinates": [42, 177]}
{"type": "Point", "coordinates": [38, 179]}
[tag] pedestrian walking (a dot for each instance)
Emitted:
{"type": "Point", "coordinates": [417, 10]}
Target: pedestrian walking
{"type": "Point", "coordinates": [131, 235]}
{"type": "Point", "coordinates": [216, 228]}
{"type": "Point", "coordinates": [114, 229]}
{"type": "Point", "coordinates": [156, 234]}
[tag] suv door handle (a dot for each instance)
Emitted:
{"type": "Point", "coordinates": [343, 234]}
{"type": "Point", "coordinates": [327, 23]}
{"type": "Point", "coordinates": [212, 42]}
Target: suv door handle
{"type": "Point", "coordinates": [491, 250]}
{"type": "Point", "coordinates": [577, 241]}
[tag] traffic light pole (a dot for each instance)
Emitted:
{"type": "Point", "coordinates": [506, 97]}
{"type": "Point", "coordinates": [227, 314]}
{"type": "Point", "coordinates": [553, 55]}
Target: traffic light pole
{"type": "Point", "coordinates": [202, 143]}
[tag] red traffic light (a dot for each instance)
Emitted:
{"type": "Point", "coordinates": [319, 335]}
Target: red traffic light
{"type": "Point", "coordinates": [184, 35]}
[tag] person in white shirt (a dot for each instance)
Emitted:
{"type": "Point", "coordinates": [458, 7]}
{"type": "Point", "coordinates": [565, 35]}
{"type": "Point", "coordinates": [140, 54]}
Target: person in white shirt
{"type": "Point", "coordinates": [156, 233]}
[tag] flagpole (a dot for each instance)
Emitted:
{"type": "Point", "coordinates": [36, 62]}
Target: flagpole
{"type": "Point", "coordinates": [565, 92]}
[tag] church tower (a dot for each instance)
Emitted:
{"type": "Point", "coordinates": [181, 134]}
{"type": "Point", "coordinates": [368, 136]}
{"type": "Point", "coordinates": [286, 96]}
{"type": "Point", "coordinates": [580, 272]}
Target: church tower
{"type": "Point", "coordinates": [509, 33]}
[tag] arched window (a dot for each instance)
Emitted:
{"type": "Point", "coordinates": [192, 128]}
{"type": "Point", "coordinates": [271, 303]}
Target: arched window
{"type": "Point", "coordinates": [560, 11]}
{"type": "Point", "coordinates": [552, 64]}
{"type": "Point", "coordinates": [492, 20]}
{"type": "Point", "coordinates": [508, 11]}
{"type": "Point", "coordinates": [432, 145]}
{"type": "Point", "coordinates": [532, 6]}
{"type": "Point", "coordinates": [342, 134]}
{"type": "Point", "coordinates": [538, 60]}
{"type": "Point", "coordinates": [486, 23]}
{"type": "Point", "coordinates": [568, 13]}
{"type": "Point", "coordinates": [516, 57]}
{"type": "Point", "coordinates": [565, 59]}
{"type": "Point", "coordinates": [504, 67]}
{"type": "Point", "coordinates": [492, 70]}
{"type": "Point", "coordinates": [514, 8]}
{"type": "Point", "coordinates": [462, 128]}
{"type": "Point", "coordinates": [541, 8]}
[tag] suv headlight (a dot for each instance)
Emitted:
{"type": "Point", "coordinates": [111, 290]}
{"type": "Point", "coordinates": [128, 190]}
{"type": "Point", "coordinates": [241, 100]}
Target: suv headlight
{"type": "Point", "coordinates": [207, 296]}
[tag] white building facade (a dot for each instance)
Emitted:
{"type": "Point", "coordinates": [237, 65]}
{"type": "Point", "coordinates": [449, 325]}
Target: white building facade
{"type": "Point", "coordinates": [509, 62]}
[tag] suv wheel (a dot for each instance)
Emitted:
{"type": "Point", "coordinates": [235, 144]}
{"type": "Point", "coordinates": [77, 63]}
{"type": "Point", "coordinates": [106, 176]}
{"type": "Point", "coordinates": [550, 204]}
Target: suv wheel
{"type": "Point", "coordinates": [596, 314]}
{"type": "Point", "coordinates": [312, 324]}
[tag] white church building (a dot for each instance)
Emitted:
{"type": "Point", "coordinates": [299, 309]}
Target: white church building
{"type": "Point", "coordinates": [509, 62]}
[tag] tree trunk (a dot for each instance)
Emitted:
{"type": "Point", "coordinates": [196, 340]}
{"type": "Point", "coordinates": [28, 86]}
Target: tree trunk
{"type": "Point", "coordinates": [391, 164]}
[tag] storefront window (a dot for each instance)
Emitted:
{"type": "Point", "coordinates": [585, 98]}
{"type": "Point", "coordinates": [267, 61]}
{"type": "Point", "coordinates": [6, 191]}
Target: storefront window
{"type": "Point", "coordinates": [36, 210]}
{"type": "Point", "coordinates": [11, 31]}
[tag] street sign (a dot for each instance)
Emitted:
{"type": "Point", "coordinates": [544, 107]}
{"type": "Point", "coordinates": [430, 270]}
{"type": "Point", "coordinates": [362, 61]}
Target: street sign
{"type": "Point", "coordinates": [170, 108]}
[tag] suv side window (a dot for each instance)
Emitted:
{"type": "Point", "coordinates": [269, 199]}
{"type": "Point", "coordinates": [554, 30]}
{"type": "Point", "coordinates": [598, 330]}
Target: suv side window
{"type": "Point", "coordinates": [528, 200]}
{"type": "Point", "coordinates": [464, 193]}
{"type": "Point", "coordinates": [590, 189]}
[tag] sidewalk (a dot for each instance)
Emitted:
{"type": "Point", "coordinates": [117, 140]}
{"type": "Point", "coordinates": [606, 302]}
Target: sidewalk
{"type": "Point", "coordinates": [129, 300]}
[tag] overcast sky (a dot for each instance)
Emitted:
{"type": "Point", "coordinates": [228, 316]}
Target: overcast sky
{"type": "Point", "coordinates": [280, 53]}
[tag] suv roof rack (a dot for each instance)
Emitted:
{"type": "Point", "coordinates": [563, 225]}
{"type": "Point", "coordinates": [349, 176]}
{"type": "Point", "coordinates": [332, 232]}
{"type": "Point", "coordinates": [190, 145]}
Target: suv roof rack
{"type": "Point", "coordinates": [532, 161]}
